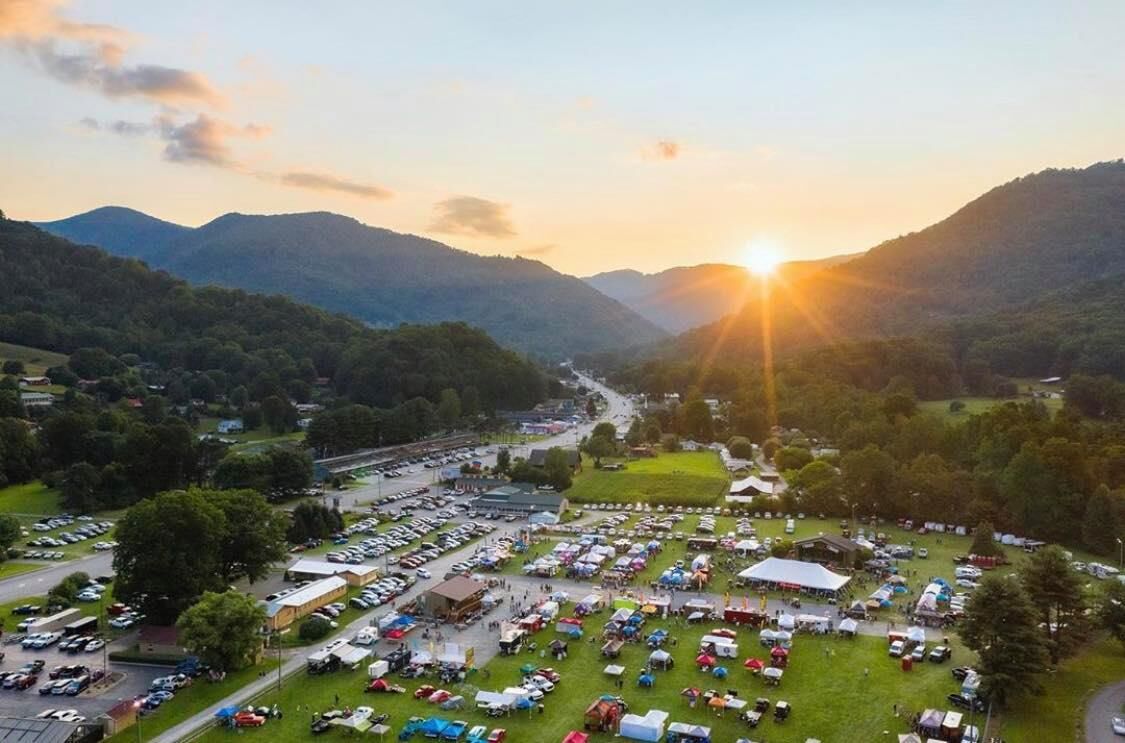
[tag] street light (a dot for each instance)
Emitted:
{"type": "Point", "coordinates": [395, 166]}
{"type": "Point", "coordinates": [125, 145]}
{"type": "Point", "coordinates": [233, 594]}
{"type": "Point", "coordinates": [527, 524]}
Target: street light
{"type": "Point", "coordinates": [1121, 555]}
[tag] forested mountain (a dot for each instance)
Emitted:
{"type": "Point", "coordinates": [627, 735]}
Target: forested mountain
{"type": "Point", "coordinates": [63, 297]}
{"type": "Point", "coordinates": [1050, 231]}
{"type": "Point", "coordinates": [378, 276]}
{"type": "Point", "coordinates": [685, 297]}
{"type": "Point", "coordinates": [132, 233]}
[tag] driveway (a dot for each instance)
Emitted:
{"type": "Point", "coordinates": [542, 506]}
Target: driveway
{"type": "Point", "coordinates": [1100, 710]}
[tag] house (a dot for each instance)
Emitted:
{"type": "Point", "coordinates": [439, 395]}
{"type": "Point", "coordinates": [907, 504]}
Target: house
{"type": "Point", "coordinates": [232, 425]}
{"type": "Point", "coordinates": [285, 610]}
{"type": "Point", "coordinates": [538, 458]}
{"type": "Point", "coordinates": [641, 452]}
{"type": "Point", "coordinates": [35, 381]}
{"type": "Point", "coordinates": [153, 641]}
{"type": "Point", "coordinates": [454, 599]}
{"type": "Point", "coordinates": [304, 423]}
{"type": "Point", "coordinates": [37, 399]}
{"type": "Point", "coordinates": [355, 575]}
{"type": "Point", "coordinates": [519, 500]}
{"type": "Point", "coordinates": [827, 549]}
{"type": "Point", "coordinates": [690, 445]}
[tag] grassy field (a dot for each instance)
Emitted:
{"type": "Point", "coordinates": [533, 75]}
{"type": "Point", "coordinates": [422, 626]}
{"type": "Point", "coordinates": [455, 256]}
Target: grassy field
{"type": "Point", "coordinates": [249, 440]}
{"type": "Point", "coordinates": [35, 360]}
{"type": "Point", "coordinates": [190, 700]}
{"type": "Point", "coordinates": [33, 498]}
{"type": "Point", "coordinates": [12, 568]}
{"type": "Point", "coordinates": [1059, 712]}
{"type": "Point", "coordinates": [977, 405]}
{"type": "Point", "coordinates": [826, 685]}
{"type": "Point", "coordinates": [687, 478]}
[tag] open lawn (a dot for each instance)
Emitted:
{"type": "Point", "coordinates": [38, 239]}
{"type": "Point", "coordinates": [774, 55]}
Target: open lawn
{"type": "Point", "coordinates": [189, 701]}
{"type": "Point", "coordinates": [11, 568]}
{"type": "Point", "coordinates": [977, 405]}
{"type": "Point", "coordinates": [688, 478]}
{"type": "Point", "coordinates": [248, 440]}
{"type": "Point", "coordinates": [30, 498]}
{"type": "Point", "coordinates": [35, 360]}
{"type": "Point", "coordinates": [1059, 712]}
{"type": "Point", "coordinates": [831, 696]}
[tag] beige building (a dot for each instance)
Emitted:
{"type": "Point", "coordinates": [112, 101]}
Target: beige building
{"type": "Point", "coordinates": [284, 611]}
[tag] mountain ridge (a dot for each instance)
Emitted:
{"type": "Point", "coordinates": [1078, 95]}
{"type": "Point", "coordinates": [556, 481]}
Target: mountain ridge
{"type": "Point", "coordinates": [377, 275]}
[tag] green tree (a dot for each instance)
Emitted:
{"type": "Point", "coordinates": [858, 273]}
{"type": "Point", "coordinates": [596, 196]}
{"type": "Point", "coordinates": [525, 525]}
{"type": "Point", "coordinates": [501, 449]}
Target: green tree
{"type": "Point", "coordinates": [983, 543]}
{"type": "Point", "coordinates": [9, 533]}
{"type": "Point", "coordinates": [781, 548]}
{"type": "Point", "coordinates": [698, 423]}
{"type": "Point", "coordinates": [14, 367]}
{"type": "Point", "coordinates": [634, 436]}
{"type": "Point", "coordinates": [869, 475]}
{"type": "Point", "coordinates": [740, 447]}
{"type": "Point", "coordinates": [1057, 593]}
{"type": "Point", "coordinates": [900, 404]}
{"type": "Point", "coordinates": [449, 408]}
{"type": "Point", "coordinates": [313, 521]}
{"type": "Point", "coordinates": [956, 406]}
{"type": "Point", "coordinates": [80, 487]}
{"type": "Point", "coordinates": [653, 431]}
{"type": "Point", "coordinates": [598, 447]}
{"type": "Point", "coordinates": [278, 414]}
{"type": "Point", "coordinates": [556, 467]}
{"type": "Point", "coordinates": [153, 409]}
{"type": "Point", "coordinates": [503, 460]}
{"type": "Point", "coordinates": [313, 629]}
{"type": "Point", "coordinates": [1100, 529]}
{"type": "Point", "coordinates": [1111, 609]}
{"type": "Point", "coordinates": [168, 553]}
{"type": "Point", "coordinates": [223, 629]}
{"type": "Point", "coordinates": [1000, 625]}
{"type": "Point", "coordinates": [791, 458]}
{"type": "Point", "coordinates": [254, 537]}
{"type": "Point", "coordinates": [670, 442]}
{"type": "Point", "coordinates": [606, 430]}
{"type": "Point", "coordinates": [66, 591]}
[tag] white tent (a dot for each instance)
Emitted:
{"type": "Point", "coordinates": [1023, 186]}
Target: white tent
{"type": "Point", "coordinates": [786, 621]}
{"type": "Point", "coordinates": [659, 656]}
{"type": "Point", "coordinates": [849, 625]}
{"type": "Point", "coordinates": [916, 634]}
{"type": "Point", "coordinates": [691, 730]}
{"type": "Point", "coordinates": [749, 485]}
{"type": "Point", "coordinates": [796, 573]}
{"type": "Point", "coordinates": [486, 698]}
{"type": "Point", "coordinates": [648, 728]}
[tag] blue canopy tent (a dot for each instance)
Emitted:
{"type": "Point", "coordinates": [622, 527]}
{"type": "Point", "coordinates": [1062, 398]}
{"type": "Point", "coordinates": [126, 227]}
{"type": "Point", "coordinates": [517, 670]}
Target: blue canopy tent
{"type": "Point", "coordinates": [719, 672]}
{"type": "Point", "coordinates": [646, 680]}
{"type": "Point", "coordinates": [434, 726]}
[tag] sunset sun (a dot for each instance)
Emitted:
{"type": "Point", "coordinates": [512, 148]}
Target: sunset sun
{"type": "Point", "coordinates": [762, 257]}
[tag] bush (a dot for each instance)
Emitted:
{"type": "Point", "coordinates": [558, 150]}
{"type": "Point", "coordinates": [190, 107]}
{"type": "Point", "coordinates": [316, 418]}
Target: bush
{"type": "Point", "coordinates": [670, 442]}
{"type": "Point", "coordinates": [740, 448]}
{"type": "Point", "coordinates": [313, 628]}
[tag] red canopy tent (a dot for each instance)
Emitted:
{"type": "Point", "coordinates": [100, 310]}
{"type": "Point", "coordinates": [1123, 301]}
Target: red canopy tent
{"type": "Point", "coordinates": [575, 737]}
{"type": "Point", "coordinates": [705, 660]}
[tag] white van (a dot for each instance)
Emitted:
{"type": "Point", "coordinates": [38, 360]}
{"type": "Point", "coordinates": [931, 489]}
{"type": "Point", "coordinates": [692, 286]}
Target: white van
{"type": "Point", "coordinates": [790, 526]}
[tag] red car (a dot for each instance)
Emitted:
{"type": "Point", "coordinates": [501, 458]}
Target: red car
{"type": "Point", "coordinates": [439, 696]}
{"type": "Point", "coordinates": [424, 691]}
{"type": "Point", "coordinates": [247, 719]}
{"type": "Point", "coordinates": [550, 674]}
{"type": "Point", "coordinates": [497, 736]}
{"type": "Point", "coordinates": [26, 682]}
{"type": "Point", "coordinates": [116, 609]}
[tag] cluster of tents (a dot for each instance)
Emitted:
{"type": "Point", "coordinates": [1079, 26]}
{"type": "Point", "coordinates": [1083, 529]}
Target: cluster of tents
{"type": "Point", "coordinates": [697, 575]}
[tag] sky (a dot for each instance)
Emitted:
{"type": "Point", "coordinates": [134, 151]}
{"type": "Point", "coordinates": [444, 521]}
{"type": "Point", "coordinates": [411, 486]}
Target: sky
{"type": "Point", "coordinates": [591, 136]}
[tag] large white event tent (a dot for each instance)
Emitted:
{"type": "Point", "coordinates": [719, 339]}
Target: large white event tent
{"type": "Point", "coordinates": [794, 575]}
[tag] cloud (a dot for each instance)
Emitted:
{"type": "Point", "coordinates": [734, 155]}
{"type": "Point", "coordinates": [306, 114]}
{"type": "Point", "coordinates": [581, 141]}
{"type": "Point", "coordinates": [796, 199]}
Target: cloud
{"type": "Point", "coordinates": [322, 182]}
{"type": "Point", "coordinates": [90, 55]}
{"type": "Point", "coordinates": [204, 140]}
{"type": "Point", "coordinates": [534, 250]}
{"type": "Point", "coordinates": [99, 69]}
{"type": "Point", "coordinates": [664, 149]}
{"type": "Point", "coordinates": [472, 216]}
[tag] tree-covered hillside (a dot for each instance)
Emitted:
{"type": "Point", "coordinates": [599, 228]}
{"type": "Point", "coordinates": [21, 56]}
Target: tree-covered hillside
{"type": "Point", "coordinates": [62, 297]}
{"type": "Point", "coordinates": [378, 276]}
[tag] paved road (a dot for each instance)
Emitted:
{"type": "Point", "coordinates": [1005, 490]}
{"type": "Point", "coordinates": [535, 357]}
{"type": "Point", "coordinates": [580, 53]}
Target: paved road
{"type": "Point", "coordinates": [40, 581]}
{"type": "Point", "coordinates": [619, 408]}
{"type": "Point", "coordinates": [1108, 702]}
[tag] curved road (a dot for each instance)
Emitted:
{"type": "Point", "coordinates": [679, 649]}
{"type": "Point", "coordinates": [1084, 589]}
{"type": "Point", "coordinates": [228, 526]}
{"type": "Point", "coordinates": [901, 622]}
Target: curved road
{"type": "Point", "coordinates": [1101, 708]}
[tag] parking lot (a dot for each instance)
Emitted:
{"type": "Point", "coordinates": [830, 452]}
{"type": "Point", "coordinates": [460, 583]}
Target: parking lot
{"type": "Point", "coordinates": [134, 679]}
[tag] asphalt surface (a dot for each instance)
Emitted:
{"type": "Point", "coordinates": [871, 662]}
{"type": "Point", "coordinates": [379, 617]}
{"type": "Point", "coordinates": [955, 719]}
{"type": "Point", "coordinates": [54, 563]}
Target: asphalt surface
{"type": "Point", "coordinates": [618, 410]}
{"type": "Point", "coordinates": [1101, 709]}
{"type": "Point", "coordinates": [39, 582]}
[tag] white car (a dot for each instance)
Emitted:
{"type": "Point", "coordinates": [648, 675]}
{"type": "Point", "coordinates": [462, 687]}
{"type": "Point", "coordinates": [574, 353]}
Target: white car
{"type": "Point", "coordinates": [967, 584]}
{"type": "Point", "coordinates": [1118, 724]}
{"type": "Point", "coordinates": [95, 645]}
{"type": "Point", "coordinates": [423, 573]}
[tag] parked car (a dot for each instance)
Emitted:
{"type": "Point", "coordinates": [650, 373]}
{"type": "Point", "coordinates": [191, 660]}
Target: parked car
{"type": "Point", "coordinates": [248, 719]}
{"type": "Point", "coordinates": [960, 700]}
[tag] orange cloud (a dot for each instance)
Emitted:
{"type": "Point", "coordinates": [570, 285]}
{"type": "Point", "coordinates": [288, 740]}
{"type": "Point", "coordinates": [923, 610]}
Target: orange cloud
{"type": "Point", "coordinates": [472, 216]}
{"type": "Point", "coordinates": [322, 182]}
{"type": "Point", "coordinates": [664, 149]}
